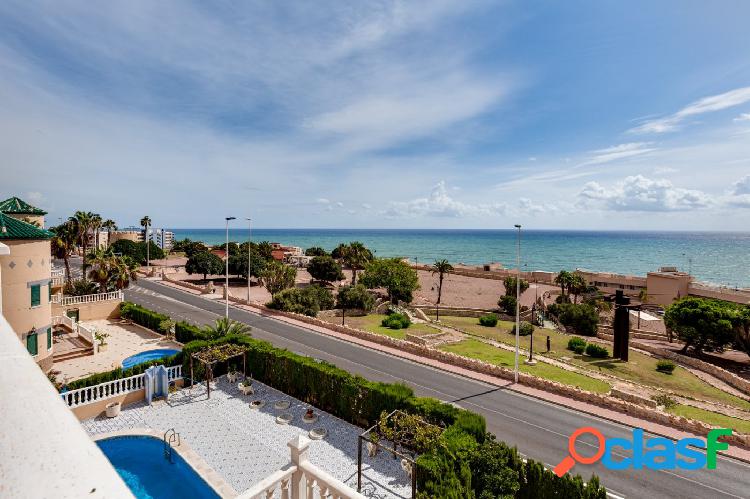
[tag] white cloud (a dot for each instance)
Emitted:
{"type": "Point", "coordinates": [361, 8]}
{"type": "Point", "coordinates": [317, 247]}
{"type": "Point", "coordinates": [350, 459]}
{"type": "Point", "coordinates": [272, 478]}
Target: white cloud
{"type": "Point", "coordinates": [620, 151]}
{"type": "Point", "coordinates": [440, 204]}
{"type": "Point", "coordinates": [705, 105]}
{"type": "Point", "coordinates": [742, 186]}
{"type": "Point", "coordinates": [323, 201]}
{"type": "Point", "coordinates": [742, 117]}
{"type": "Point", "coordinates": [638, 193]}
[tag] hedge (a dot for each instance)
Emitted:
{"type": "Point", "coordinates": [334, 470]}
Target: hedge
{"type": "Point", "coordinates": [596, 351]}
{"type": "Point", "coordinates": [142, 316]}
{"type": "Point", "coordinates": [185, 333]}
{"type": "Point", "coordinates": [119, 373]}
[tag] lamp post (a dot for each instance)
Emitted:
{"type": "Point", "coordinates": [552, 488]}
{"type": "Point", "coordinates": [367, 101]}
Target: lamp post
{"type": "Point", "coordinates": [518, 298]}
{"type": "Point", "coordinates": [249, 229]}
{"type": "Point", "coordinates": [226, 270]}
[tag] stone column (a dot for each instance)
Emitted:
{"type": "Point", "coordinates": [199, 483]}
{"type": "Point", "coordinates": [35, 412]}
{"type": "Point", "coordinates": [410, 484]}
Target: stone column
{"type": "Point", "coordinates": [299, 447]}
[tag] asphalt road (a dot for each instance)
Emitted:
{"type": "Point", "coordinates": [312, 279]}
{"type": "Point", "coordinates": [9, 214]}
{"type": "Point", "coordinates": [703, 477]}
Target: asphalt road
{"type": "Point", "coordinates": [539, 429]}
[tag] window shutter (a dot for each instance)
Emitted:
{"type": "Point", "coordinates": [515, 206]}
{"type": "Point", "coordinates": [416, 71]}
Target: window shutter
{"type": "Point", "coordinates": [31, 344]}
{"type": "Point", "coordinates": [49, 338]}
{"type": "Point", "coordinates": [35, 296]}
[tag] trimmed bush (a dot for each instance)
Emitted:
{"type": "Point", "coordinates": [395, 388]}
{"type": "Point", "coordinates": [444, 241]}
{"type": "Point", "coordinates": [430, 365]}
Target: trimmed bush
{"type": "Point", "coordinates": [185, 333]}
{"type": "Point", "coordinates": [665, 366]}
{"type": "Point", "coordinates": [396, 321]}
{"type": "Point", "coordinates": [526, 329]}
{"type": "Point", "coordinates": [576, 344]}
{"type": "Point", "coordinates": [596, 351]}
{"type": "Point", "coordinates": [489, 320]}
{"type": "Point", "coordinates": [142, 316]}
{"type": "Point", "coordinates": [355, 297]}
{"type": "Point", "coordinates": [308, 301]}
{"type": "Point", "coordinates": [119, 372]}
{"type": "Point", "coordinates": [582, 318]}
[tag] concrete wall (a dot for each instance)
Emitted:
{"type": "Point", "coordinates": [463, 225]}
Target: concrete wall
{"type": "Point", "coordinates": [108, 309]}
{"type": "Point", "coordinates": [134, 236]}
{"type": "Point", "coordinates": [664, 288]}
{"type": "Point", "coordinates": [27, 264]}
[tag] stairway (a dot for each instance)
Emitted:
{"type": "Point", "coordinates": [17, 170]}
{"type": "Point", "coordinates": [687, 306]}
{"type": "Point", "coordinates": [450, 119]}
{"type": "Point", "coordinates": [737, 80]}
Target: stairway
{"type": "Point", "coordinates": [69, 347]}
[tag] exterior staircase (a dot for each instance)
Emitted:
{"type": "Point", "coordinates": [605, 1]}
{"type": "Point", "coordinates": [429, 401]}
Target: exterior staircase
{"type": "Point", "coordinates": [69, 346]}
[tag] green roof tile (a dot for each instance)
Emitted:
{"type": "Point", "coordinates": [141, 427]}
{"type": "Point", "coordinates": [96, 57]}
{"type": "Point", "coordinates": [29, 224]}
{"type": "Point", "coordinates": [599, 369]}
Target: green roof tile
{"type": "Point", "coordinates": [20, 207]}
{"type": "Point", "coordinates": [11, 228]}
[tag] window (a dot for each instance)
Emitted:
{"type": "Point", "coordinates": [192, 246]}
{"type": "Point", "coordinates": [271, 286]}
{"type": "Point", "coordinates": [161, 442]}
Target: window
{"type": "Point", "coordinates": [36, 299]}
{"type": "Point", "coordinates": [31, 343]}
{"type": "Point", "coordinates": [49, 338]}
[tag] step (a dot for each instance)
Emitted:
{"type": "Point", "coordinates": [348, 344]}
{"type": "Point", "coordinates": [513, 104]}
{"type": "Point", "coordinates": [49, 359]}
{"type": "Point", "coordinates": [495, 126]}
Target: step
{"type": "Point", "coordinates": [72, 354]}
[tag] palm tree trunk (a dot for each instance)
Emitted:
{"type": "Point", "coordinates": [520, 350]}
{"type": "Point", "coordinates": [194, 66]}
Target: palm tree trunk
{"type": "Point", "coordinates": [354, 276]}
{"type": "Point", "coordinates": [440, 288]}
{"type": "Point", "coordinates": [67, 269]}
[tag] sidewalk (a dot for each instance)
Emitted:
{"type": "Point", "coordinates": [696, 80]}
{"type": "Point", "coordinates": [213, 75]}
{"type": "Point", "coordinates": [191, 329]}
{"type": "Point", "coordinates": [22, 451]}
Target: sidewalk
{"type": "Point", "coordinates": [594, 410]}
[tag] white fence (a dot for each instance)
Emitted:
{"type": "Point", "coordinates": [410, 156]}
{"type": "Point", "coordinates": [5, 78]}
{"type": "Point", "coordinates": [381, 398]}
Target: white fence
{"type": "Point", "coordinates": [65, 321]}
{"type": "Point", "coordinates": [302, 480]}
{"type": "Point", "coordinates": [88, 335]}
{"type": "Point", "coordinates": [82, 396]}
{"type": "Point", "coordinates": [75, 300]}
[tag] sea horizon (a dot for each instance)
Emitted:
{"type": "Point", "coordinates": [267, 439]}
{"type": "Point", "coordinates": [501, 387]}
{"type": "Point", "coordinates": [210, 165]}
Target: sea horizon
{"type": "Point", "coordinates": [715, 257]}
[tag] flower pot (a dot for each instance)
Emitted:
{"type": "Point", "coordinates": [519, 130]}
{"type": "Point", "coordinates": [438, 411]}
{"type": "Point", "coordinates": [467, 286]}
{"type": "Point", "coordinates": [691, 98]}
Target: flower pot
{"type": "Point", "coordinates": [232, 377]}
{"type": "Point", "coordinates": [245, 389]}
{"type": "Point", "coordinates": [372, 449]}
{"type": "Point", "coordinates": [103, 348]}
{"type": "Point", "coordinates": [113, 409]}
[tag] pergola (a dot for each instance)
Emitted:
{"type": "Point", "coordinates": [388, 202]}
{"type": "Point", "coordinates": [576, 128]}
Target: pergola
{"type": "Point", "coordinates": [213, 355]}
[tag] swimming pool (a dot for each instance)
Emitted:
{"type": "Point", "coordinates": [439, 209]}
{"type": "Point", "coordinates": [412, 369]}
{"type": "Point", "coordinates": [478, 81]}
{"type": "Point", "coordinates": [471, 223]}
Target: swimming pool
{"type": "Point", "coordinates": [140, 462]}
{"type": "Point", "coordinates": [142, 357]}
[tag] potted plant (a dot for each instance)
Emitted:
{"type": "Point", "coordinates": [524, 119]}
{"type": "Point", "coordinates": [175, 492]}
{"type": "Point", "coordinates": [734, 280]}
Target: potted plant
{"type": "Point", "coordinates": [102, 339]}
{"type": "Point", "coordinates": [112, 409]}
{"type": "Point", "coordinates": [372, 447]}
{"type": "Point", "coordinates": [232, 374]}
{"type": "Point", "coordinates": [246, 386]}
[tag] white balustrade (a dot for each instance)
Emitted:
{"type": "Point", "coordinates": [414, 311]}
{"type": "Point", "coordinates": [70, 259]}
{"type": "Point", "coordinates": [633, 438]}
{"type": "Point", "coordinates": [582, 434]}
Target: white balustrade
{"type": "Point", "coordinates": [77, 300]}
{"type": "Point", "coordinates": [303, 480]}
{"type": "Point", "coordinates": [122, 386]}
{"type": "Point", "coordinates": [64, 320]}
{"type": "Point", "coordinates": [88, 335]}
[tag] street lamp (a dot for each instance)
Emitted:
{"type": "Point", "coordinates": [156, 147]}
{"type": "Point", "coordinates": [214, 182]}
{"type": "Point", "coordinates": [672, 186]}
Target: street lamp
{"type": "Point", "coordinates": [226, 269]}
{"type": "Point", "coordinates": [249, 228]}
{"type": "Point", "coordinates": [518, 298]}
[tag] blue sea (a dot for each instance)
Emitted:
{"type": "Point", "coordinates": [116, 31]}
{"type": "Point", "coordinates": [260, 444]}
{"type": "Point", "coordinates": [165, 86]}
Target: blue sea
{"type": "Point", "coordinates": [721, 258]}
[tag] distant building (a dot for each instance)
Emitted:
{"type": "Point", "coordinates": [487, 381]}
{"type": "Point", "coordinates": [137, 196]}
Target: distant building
{"type": "Point", "coordinates": [162, 238]}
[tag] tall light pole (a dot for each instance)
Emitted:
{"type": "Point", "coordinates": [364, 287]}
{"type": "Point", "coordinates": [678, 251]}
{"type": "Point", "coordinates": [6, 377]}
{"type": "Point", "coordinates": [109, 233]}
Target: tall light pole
{"type": "Point", "coordinates": [226, 270]}
{"type": "Point", "coordinates": [518, 297]}
{"type": "Point", "coordinates": [249, 229]}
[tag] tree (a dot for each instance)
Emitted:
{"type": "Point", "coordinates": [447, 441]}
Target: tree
{"type": "Point", "coordinates": [136, 251]}
{"type": "Point", "coordinates": [265, 250]}
{"type": "Point", "coordinates": [325, 268]}
{"type": "Point", "coordinates": [277, 277]}
{"type": "Point", "coordinates": [308, 301]}
{"type": "Point", "coordinates": [510, 286]}
{"type": "Point", "coordinates": [225, 327]}
{"type": "Point", "coordinates": [79, 287]}
{"type": "Point", "coordinates": [563, 279]}
{"type": "Point", "coordinates": [356, 256]}
{"type": "Point", "coordinates": [146, 223]}
{"type": "Point", "coordinates": [110, 271]}
{"type": "Point", "coordinates": [508, 304]}
{"type": "Point", "coordinates": [316, 251]}
{"type": "Point", "coordinates": [83, 221]}
{"type": "Point", "coordinates": [397, 277]}
{"type": "Point", "coordinates": [109, 225]}
{"type": "Point", "coordinates": [577, 285]}
{"type": "Point", "coordinates": [238, 263]}
{"type": "Point", "coordinates": [703, 324]}
{"type": "Point", "coordinates": [338, 251]}
{"type": "Point", "coordinates": [355, 297]}
{"type": "Point", "coordinates": [441, 267]}
{"type": "Point", "coordinates": [204, 263]}
{"type": "Point", "coordinates": [583, 318]}
{"type": "Point", "coordinates": [63, 243]}
{"type": "Point", "coordinates": [494, 468]}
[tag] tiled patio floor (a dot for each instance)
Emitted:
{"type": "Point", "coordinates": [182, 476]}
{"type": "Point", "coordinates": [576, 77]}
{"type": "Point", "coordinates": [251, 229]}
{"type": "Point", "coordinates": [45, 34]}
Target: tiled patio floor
{"type": "Point", "coordinates": [246, 445]}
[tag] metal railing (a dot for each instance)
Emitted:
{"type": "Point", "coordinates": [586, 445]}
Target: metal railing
{"type": "Point", "coordinates": [122, 386]}
{"type": "Point", "coordinates": [75, 300]}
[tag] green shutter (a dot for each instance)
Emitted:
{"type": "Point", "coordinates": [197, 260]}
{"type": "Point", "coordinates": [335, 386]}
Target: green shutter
{"type": "Point", "coordinates": [49, 290]}
{"type": "Point", "coordinates": [31, 344]}
{"type": "Point", "coordinates": [49, 338]}
{"type": "Point", "coordinates": [36, 299]}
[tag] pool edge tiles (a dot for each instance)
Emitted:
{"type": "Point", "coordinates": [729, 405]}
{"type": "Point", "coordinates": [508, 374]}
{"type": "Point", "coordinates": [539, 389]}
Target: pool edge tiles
{"type": "Point", "coordinates": [209, 475]}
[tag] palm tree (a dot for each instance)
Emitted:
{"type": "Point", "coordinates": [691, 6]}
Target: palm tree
{"type": "Point", "coordinates": [563, 279]}
{"type": "Point", "coordinates": [63, 243]}
{"type": "Point", "coordinates": [124, 272]}
{"type": "Point", "coordinates": [109, 225]}
{"type": "Point", "coordinates": [102, 263]}
{"type": "Point", "coordinates": [96, 225]}
{"type": "Point", "coordinates": [441, 267]}
{"type": "Point", "coordinates": [225, 326]}
{"type": "Point", "coordinates": [577, 285]}
{"type": "Point", "coordinates": [146, 223]}
{"type": "Point", "coordinates": [83, 221]}
{"type": "Point", "coordinates": [356, 256]}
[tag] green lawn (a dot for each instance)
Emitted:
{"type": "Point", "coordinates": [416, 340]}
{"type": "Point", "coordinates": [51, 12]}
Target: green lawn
{"type": "Point", "coordinates": [482, 351]}
{"type": "Point", "coordinates": [640, 368]}
{"type": "Point", "coordinates": [372, 323]}
{"type": "Point", "coordinates": [712, 418]}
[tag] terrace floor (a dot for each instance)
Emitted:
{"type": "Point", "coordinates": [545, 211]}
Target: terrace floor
{"type": "Point", "coordinates": [245, 445]}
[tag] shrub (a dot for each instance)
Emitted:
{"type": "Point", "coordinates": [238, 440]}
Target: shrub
{"type": "Point", "coordinates": [664, 400]}
{"type": "Point", "coordinates": [489, 320]}
{"type": "Point", "coordinates": [325, 268]}
{"type": "Point", "coordinates": [665, 366]}
{"type": "Point", "coordinates": [142, 316]}
{"type": "Point", "coordinates": [581, 317]}
{"type": "Point", "coordinates": [355, 297]}
{"type": "Point", "coordinates": [307, 301]}
{"type": "Point", "coordinates": [576, 344]}
{"type": "Point", "coordinates": [396, 276]}
{"type": "Point", "coordinates": [596, 351]}
{"type": "Point", "coordinates": [185, 333]}
{"type": "Point", "coordinates": [526, 329]}
{"type": "Point", "coordinates": [396, 321]}
{"type": "Point", "coordinates": [507, 304]}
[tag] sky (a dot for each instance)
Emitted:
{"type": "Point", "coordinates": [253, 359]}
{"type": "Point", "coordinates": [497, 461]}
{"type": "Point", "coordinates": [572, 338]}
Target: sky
{"type": "Point", "coordinates": [380, 114]}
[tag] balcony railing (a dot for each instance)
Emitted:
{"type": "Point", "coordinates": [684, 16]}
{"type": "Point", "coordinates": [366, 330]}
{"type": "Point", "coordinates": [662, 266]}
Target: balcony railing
{"type": "Point", "coordinates": [303, 480]}
{"type": "Point", "coordinates": [89, 394]}
{"type": "Point", "coordinates": [76, 300]}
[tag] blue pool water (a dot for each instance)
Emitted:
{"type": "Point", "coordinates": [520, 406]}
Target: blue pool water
{"type": "Point", "coordinates": [142, 357]}
{"type": "Point", "coordinates": [140, 462]}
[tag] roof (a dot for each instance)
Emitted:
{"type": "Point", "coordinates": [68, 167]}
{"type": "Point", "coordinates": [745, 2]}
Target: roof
{"type": "Point", "coordinates": [12, 228]}
{"type": "Point", "coordinates": [20, 207]}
